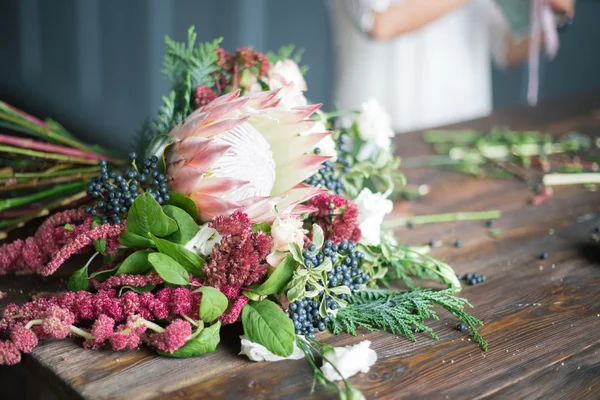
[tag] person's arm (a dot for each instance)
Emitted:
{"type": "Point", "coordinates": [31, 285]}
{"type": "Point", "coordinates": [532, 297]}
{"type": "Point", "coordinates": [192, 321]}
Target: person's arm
{"type": "Point", "coordinates": [517, 51]}
{"type": "Point", "coordinates": [409, 15]}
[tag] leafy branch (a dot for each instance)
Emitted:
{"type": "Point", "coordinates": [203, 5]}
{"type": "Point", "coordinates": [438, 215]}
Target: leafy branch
{"type": "Point", "coordinates": [402, 313]}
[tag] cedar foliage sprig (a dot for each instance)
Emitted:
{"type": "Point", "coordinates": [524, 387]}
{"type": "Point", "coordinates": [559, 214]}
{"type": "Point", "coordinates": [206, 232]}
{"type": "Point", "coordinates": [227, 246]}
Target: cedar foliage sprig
{"type": "Point", "coordinates": [402, 313]}
{"type": "Point", "coordinates": [186, 65]}
{"type": "Point", "coordinates": [288, 52]}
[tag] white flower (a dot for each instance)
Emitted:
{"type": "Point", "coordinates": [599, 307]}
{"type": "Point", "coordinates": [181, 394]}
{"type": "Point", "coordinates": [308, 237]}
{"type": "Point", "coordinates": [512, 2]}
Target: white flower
{"type": "Point", "coordinates": [349, 360]}
{"type": "Point", "coordinates": [203, 242]}
{"type": "Point", "coordinates": [286, 231]}
{"type": "Point", "coordinates": [372, 208]}
{"type": "Point", "coordinates": [286, 75]}
{"type": "Point", "coordinates": [375, 125]}
{"type": "Point", "coordinates": [258, 352]}
{"type": "Point", "coordinates": [326, 145]}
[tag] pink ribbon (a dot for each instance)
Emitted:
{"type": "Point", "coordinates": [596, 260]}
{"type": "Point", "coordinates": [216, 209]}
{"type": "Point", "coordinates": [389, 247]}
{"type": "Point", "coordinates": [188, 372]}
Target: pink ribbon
{"type": "Point", "coordinates": [542, 22]}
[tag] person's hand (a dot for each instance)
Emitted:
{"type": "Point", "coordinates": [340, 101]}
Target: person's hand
{"type": "Point", "coordinates": [565, 7]}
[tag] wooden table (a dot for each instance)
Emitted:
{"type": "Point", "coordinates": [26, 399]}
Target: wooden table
{"type": "Point", "coordinates": [542, 318]}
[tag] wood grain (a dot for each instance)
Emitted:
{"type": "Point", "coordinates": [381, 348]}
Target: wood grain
{"type": "Point", "coordinates": [541, 317]}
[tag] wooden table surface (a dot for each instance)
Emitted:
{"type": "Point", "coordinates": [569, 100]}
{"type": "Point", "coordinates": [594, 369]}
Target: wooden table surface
{"type": "Point", "coordinates": [542, 318]}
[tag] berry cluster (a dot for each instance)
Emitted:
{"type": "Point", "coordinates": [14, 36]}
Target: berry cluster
{"type": "Point", "coordinates": [116, 193]}
{"type": "Point", "coordinates": [346, 271]}
{"type": "Point", "coordinates": [472, 278]}
{"type": "Point", "coordinates": [330, 176]}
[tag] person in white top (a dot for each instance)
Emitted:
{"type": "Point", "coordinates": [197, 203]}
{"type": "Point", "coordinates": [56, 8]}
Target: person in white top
{"type": "Point", "coordinates": [428, 62]}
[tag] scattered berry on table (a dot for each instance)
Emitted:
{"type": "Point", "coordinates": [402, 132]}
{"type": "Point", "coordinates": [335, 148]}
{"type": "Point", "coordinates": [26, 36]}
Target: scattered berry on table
{"type": "Point", "coordinates": [490, 223]}
{"type": "Point", "coordinates": [458, 243]}
{"type": "Point", "coordinates": [543, 256]}
{"type": "Point", "coordinates": [461, 327]}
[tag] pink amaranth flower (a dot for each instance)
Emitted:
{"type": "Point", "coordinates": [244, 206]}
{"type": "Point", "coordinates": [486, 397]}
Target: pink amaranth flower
{"type": "Point", "coordinates": [337, 216]}
{"type": "Point", "coordinates": [24, 339]}
{"type": "Point", "coordinates": [235, 310]}
{"type": "Point", "coordinates": [101, 330]}
{"type": "Point", "coordinates": [173, 338]}
{"type": "Point", "coordinates": [231, 292]}
{"type": "Point", "coordinates": [151, 278]}
{"type": "Point", "coordinates": [9, 354]}
{"type": "Point", "coordinates": [240, 258]}
{"type": "Point", "coordinates": [81, 241]}
{"type": "Point", "coordinates": [128, 335]}
{"type": "Point", "coordinates": [203, 95]}
{"type": "Point", "coordinates": [33, 253]}
{"type": "Point", "coordinates": [57, 322]}
{"type": "Point", "coordinates": [224, 60]}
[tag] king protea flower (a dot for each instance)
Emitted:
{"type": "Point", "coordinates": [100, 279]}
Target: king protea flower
{"type": "Point", "coordinates": [244, 153]}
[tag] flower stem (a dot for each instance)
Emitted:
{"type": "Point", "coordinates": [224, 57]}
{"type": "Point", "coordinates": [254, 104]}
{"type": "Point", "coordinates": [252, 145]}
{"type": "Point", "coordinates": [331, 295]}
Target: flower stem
{"type": "Point", "coordinates": [51, 148]}
{"type": "Point", "coordinates": [151, 325]}
{"type": "Point", "coordinates": [49, 173]}
{"type": "Point", "coordinates": [45, 155]}
{"type": "Point", "coordinates": [45, 182]}
{"type": "Point", "coordinates": [33, 322]}
{"type": "Point", "coordinates": [571, 179]}
{"type": "Point", "coordinates": [5, 204]}
{"type": "Point", "coordinates": [82, 333]}
{"type": "Point", "coordinates": [445, 217]}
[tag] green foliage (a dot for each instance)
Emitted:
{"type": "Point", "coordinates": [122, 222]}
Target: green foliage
{"type": "Point", "coordinates": [390, 261]}
{"type": "Point", "coordinates": [213, 305]}
{"type": "Point", "coordinates": [288, 52]}
{"type": "Point", "coordinates": [204, 340]}
{"type": "Point", "coordinates": [402, 313]}
{"type": "Point", "coordinates": [264, 323]}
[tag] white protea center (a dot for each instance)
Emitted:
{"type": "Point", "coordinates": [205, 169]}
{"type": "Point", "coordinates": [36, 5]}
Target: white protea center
{"type": "Point", "coordinates": [249, 158]}
{"type": "Point", "coordinates": [244, 153]}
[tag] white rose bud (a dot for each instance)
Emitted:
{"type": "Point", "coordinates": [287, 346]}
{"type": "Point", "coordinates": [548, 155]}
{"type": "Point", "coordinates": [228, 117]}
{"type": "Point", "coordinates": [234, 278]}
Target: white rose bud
{"type": "Point", "coordinates": [349, 361]}
{"type": "Point", "coordinates": [375, 124]}
{"type": "Point", "coordinates": [258, 352]}
{"type": "Point", "coordinates": [286, 75]}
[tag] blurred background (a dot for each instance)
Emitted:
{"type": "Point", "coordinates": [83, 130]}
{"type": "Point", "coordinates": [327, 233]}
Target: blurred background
{"type": "Point", "coordinates": [94, 65]}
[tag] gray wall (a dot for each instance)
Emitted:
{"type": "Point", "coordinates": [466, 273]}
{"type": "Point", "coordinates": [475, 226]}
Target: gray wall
{"type": "Point", "coordinates": [94, 64]}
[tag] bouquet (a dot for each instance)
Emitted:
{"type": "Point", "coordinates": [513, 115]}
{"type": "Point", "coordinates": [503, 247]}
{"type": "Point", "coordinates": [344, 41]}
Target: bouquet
{"type": "Point", "coordinates": [242, 203]}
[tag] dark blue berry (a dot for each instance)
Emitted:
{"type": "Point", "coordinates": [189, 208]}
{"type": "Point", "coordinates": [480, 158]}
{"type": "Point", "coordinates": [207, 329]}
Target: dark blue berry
{"type": "Point", "coordinates": [458, 243]}
{"type": "Point", "coordinates": [543, 256]}
{"type": "Point", "coordinates": [461, 327]}
{"type": "Point", "coordinates": [312, 247]}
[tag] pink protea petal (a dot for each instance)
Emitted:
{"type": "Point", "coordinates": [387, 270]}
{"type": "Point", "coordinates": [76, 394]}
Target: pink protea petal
{"type": "Point", "coordinates": [262, 99]}
{"type": "Point", "coordinates": [297, 171]}
{"type": "Point", "coordinates": [189, 126]}
{"type": "Point", "coordinates": [222, 99]}
{"type": "Point", "coordinates": [216, 128]}
{"type": "Point", "coordinates": [188, 148]}
{"type": "Point", "coordinates": [184, 178]}
{"type": "Point", "coordinates": [225, 109]}
{"type": "Point", "coordinates": [210, 206]}
{"type": "Point", "coordinates": [205, 158]}
{"type": "Point", "coordinates": [219, 186]}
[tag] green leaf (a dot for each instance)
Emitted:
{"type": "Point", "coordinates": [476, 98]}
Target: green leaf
{"type": "Point", "coordinates": [188, 260]}
{"type": "Point", "coordinates": [168, 269]}
{"type": "Point", "coordinates": [185, 223]}
{"type": "Point", "coordinates": [297, 287]}
{"type": "Point", "coordinates": [183, 202]}
{"type": "Point", "coordinates": [213, 304]}
{"type": "Point", "coordinates": [252, 295]}
{"type": "Point", "coordinates": [205, 342]}
{"type": "Point", "coordinates": [99, 244]}
{"type": "Point", "coordinates": [341, 290]}
{"type": "Point", "coordinates": [279, 278]}
{"type": "Point", "coordinates": [135, 264]}
{"type": "Point", "coordinates": [69, 227]}
{"type": "Point", "coordinates": [133, 240]}
{"type": "Point", "coordinates": [147, 216]}
{"type": "Point", "coordinates": [101, 275]}
{"type": "Point", "coordinates": [325, 266]}
{"type": "Point", "coordinates": [296, 252]}
{"type": "Point", "coordinates": [263, 226]}
{"type": "Point", "coordinates": [317, 238]}
{"type": "Point", "coordinates": [266, 324]}
{"type": "Point", "coordinates": [79, 280]}
{"type": "Point", "coordinates": [138, 289]}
